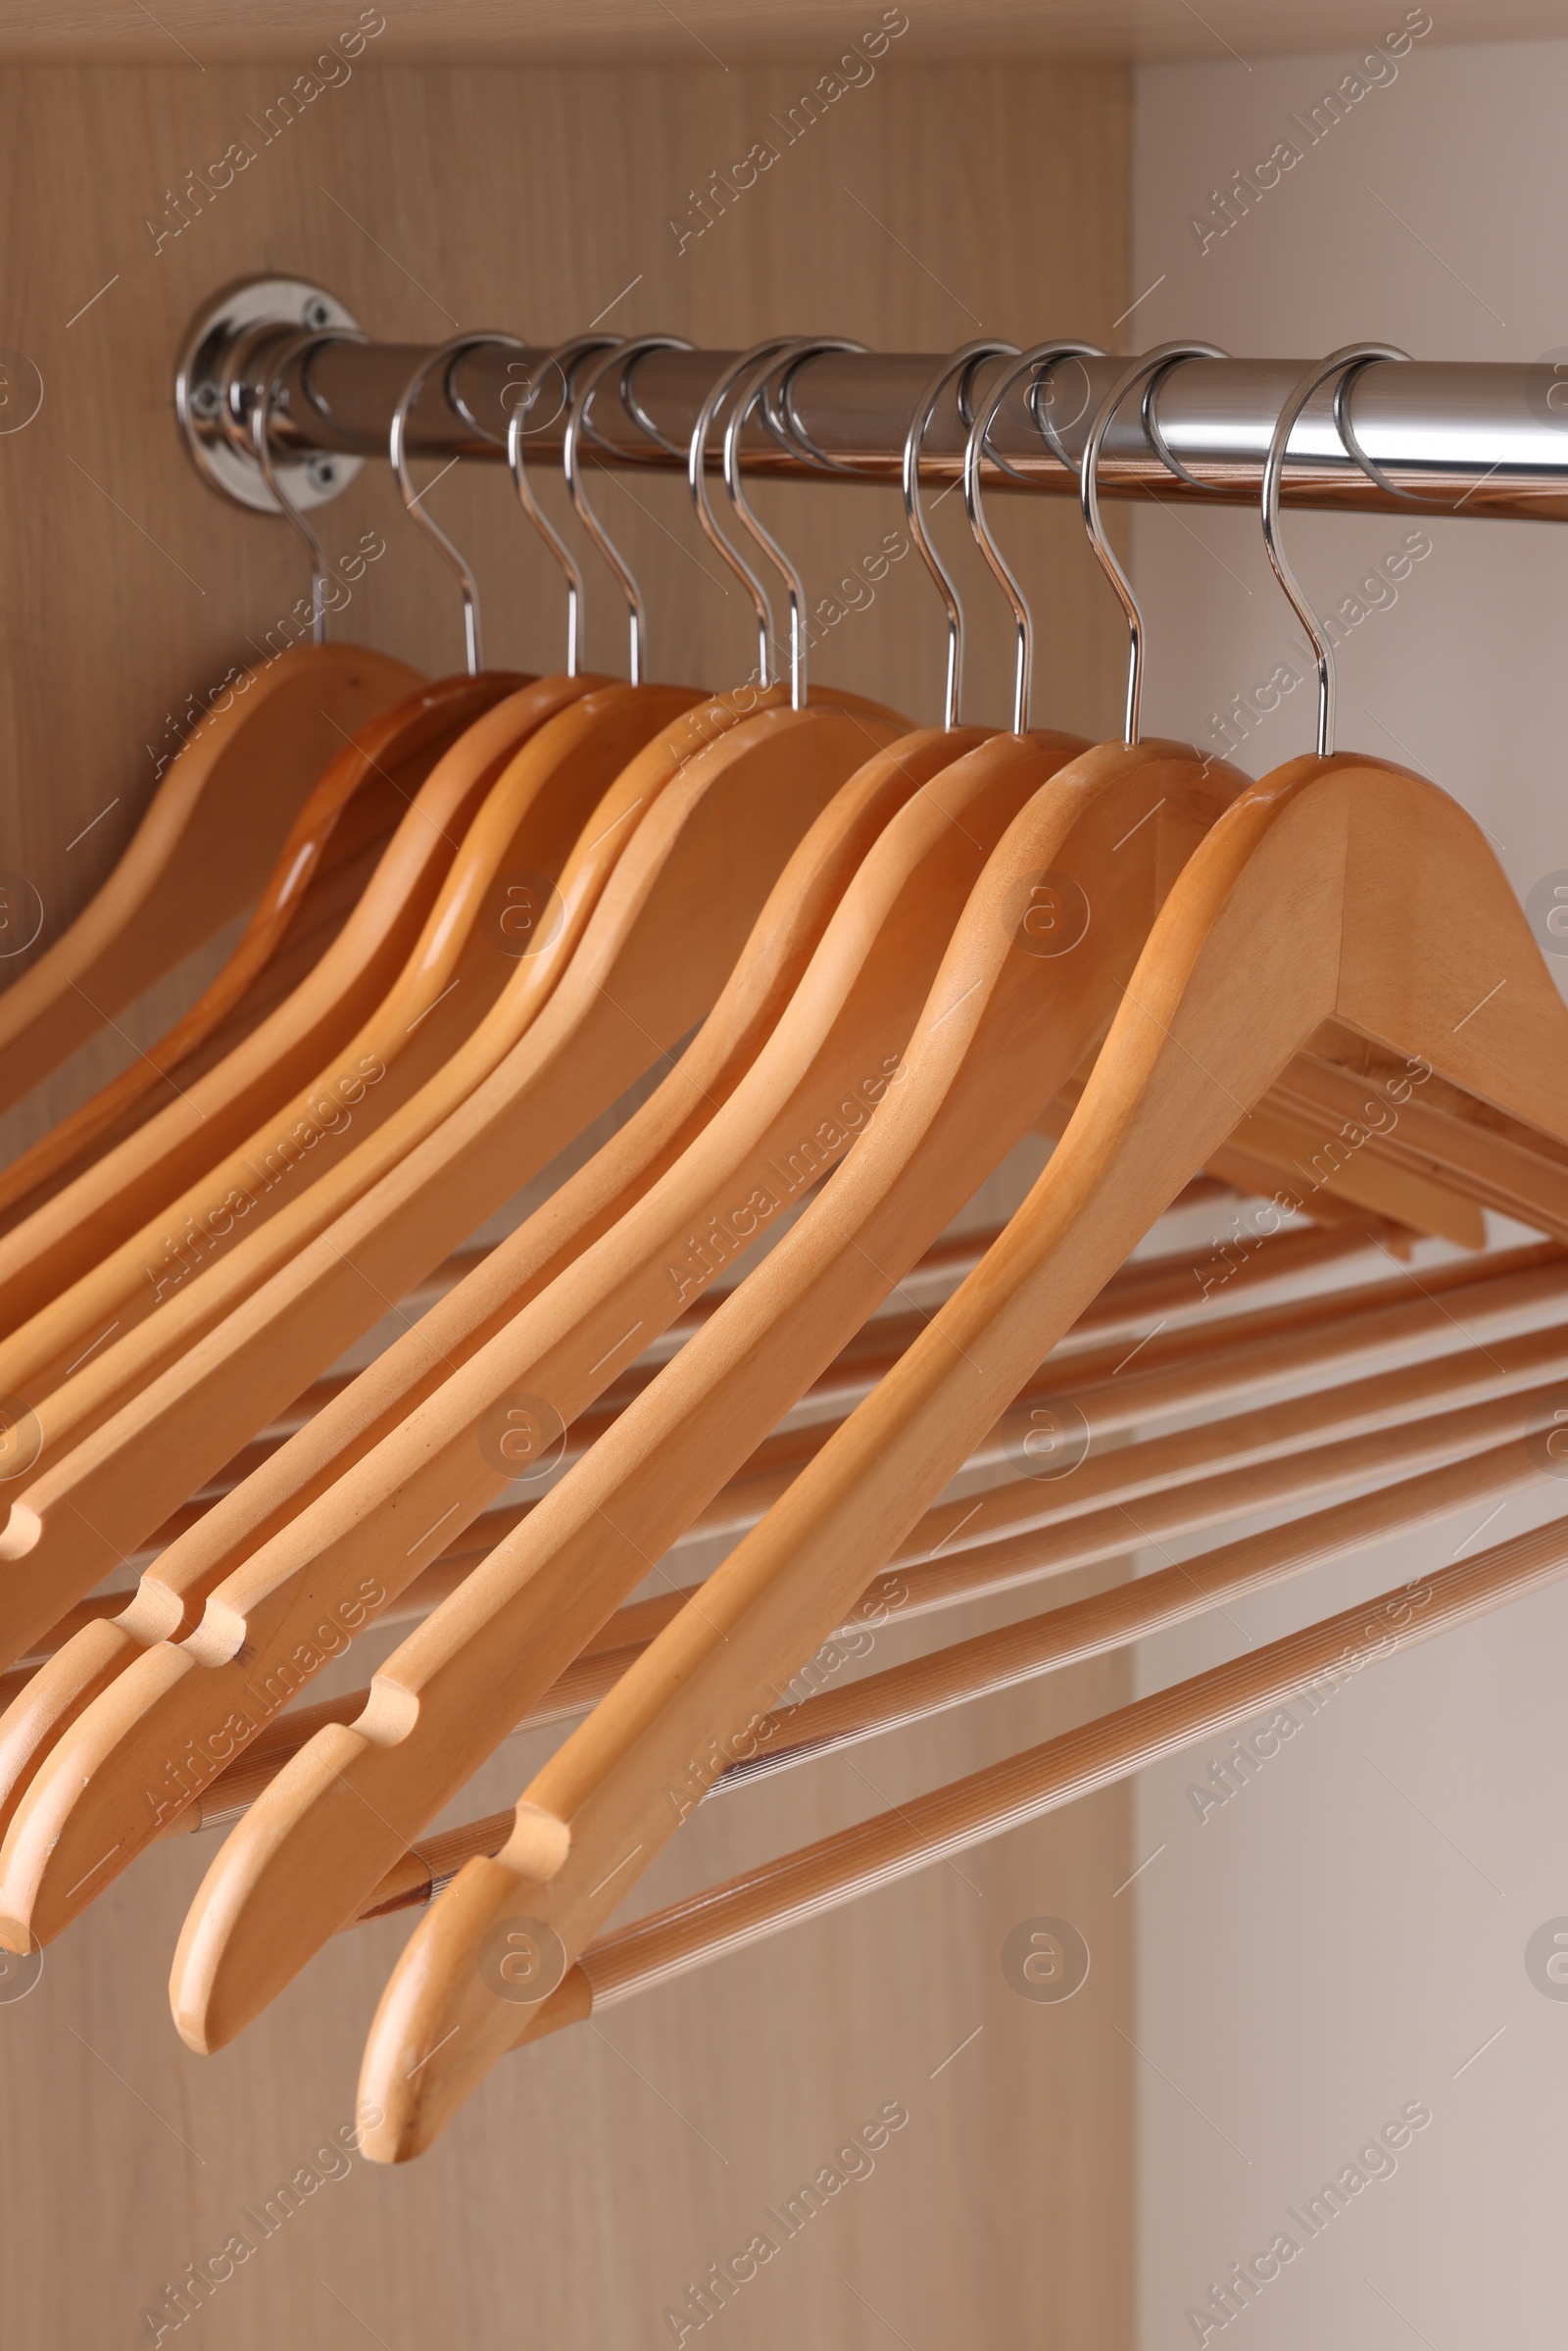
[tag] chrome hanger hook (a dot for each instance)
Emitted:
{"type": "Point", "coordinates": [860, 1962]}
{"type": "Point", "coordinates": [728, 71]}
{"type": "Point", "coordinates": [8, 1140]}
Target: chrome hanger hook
{"type": "Point", "coordinates": [625, 357]}
{"type": "Point", "coordinates": [565, 356]}
{"type": "Point", "coordinates": [697, 480]}
{"type": "Point", "coordinates": [443, 358]}
{"type": "Point", "coordinates": [260, 443]}
{"type": "Point", "coordinates": [1341, 367]}
{"type": "Point", "coordinates": [1152, 365]}
{"type": "Point", "coordinates": [960, 364]}
{"type": "Point", "coordinates": [794, 586]}
{"type": "Point", "coordinates": [1043, 355]}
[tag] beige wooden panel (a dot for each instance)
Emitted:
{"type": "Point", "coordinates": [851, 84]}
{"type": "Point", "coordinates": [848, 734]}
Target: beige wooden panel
{"type": "Point", "coordinates": [588, 2187]}
{"type": "Point", "coordinates": [744, 30]}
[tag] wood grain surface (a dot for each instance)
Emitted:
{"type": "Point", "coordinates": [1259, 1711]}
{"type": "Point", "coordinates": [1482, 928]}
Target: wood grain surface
{"type": "Point", "coordinates": [935, 203]}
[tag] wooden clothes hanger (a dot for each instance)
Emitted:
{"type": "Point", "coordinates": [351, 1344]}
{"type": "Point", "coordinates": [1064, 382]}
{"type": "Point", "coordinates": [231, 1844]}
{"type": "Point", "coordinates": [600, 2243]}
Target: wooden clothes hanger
{"type": "Point", "coordinates": [271, 1587]}
{"type": "Point", "coordinates": [1186, 1483]}
{"type": "Point", "coordinates": [1191, 1480]}
{"type": "Point", "coordinates": [208, 843]}
{"type": "Point", "coordinates": [1301, 1669]}
{"type": "Point", "coordinates": [379, 771]}
{"type": "Point", "coordinates": [1105, 834]}
{"type": "Point", "coordinates": [910, 898]}
{"type": "Point", "coordinates": [550, 790]}
{"type": "Point", "coordinates": [114, 1203]}
{"type": "Point", "coordinates": [718, 827]}
{"type": "Point", "coordinates": [541, 790]}
{"type": "Point", "coordinates": [868, 981]}
{"type": "Point", "coordinates": [533, 1318]}
{"type": "Point", "coordinates": [1338, 888]}
{"type": "Point", "coordinates": [235, 1499]}
{"type": "Point", "coordinates": [201, 852]}
{"type": "Point", "coordinates": [451, 1011]}
{"type": "Point", "coordinates": [692, 1091]}
{"type": "Point", "coordinates": [62, 1242]}
{"type": "Point", "coordinates": [383, 765]}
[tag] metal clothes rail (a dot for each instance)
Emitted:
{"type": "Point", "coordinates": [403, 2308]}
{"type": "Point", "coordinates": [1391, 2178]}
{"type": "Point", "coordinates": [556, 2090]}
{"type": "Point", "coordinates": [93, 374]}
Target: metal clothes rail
{"type": "Point", "coordinates": [1471, 438]}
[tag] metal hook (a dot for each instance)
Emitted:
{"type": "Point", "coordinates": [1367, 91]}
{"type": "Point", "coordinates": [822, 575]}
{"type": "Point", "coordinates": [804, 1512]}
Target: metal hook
{"type": "Point", "coordinates": [1346, 432]}
{"type": "Point", "coordinates": [782, 417]}
{"type": "Point", "coordinates": [623, 357]}
{"type": "Point", "coordinates": [1153, 365]}
{"type": "Point", "coordinates": [1149, 412]}
{"type": "Point", "coordinates": [794, 586]}
{"type": "Point", "coordinates": [1342, 367]}
{"type": "Point", "coordinates": [697, 479]}
{"type": "Point", "coordinates": [397, 449]}
{"type": "Point", "coordinates": [960, 364]}
{"type": "Point", "coordinates": [565, 356]}
{"type": "Point", "coordinates": [1043, 356]}
{"type": "Point", "coordinates": [261, 429]}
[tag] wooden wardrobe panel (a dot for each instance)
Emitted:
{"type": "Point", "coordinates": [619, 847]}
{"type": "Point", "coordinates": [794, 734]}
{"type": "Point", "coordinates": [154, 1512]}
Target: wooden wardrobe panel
{"type": "Point", "coordinates": [606, 2172]}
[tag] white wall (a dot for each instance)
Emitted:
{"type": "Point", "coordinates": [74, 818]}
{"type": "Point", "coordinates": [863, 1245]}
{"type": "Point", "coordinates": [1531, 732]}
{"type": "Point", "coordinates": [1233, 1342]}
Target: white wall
{"type": "Point", "coordinates": [1341, 1937]}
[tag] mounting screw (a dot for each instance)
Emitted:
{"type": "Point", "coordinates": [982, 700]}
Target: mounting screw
{"type": "Point", "coordinates": [205, 399]}
{"type": "Point", "coordinates": [316, 312]}
{"type": "Point", "coordinates": [321, 473]}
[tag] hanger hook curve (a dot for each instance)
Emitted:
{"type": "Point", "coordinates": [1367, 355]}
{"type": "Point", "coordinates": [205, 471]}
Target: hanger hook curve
{"type": "Point", "coordinates": [796, 356]}
{"type": "Point", "coordinates": [443, 356]}
{"type": "Point", "coordinates": [565, 356]}
{"type": "Point", "coordinates": [1153, 366]}
{"type": "Point", "coordinates": [697, 482]}
{"type": "Point", "coordinates": [625, 357]}
{"type": "Point", "coordinates": [1342, 367]}
{"type": "Point", "coordinates": [260, 443]}
{"type": "Point", "coordinates": [962, 365]}
{"type": "Point", "coordinates": [1043, 356]}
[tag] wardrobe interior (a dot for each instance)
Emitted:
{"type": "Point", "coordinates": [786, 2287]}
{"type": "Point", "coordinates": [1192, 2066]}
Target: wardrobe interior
{"type": "Point", "coordinates": [1271, 1979]}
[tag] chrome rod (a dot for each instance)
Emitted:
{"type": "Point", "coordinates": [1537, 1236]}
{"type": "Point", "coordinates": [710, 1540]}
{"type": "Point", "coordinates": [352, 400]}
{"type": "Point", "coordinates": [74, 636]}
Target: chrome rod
{"type": "Point", "coordinates": [1458, 436]}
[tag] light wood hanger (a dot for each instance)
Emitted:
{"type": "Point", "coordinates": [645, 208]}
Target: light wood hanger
{"type": "Point", "coordinates": [1293, 1259]}
{"type": "Point", "coordinates": [120, 1197]}
{"type": "Point", "coordinates": [1302, 1666]}
{"type": "Point", "coordinates": [297, 1529]}
{"type": "Point", "coordinates": [1337, 888]}
{"type": "Point", "coordinates": [202, 850]}
{"type": "Point", "coordinates": [429, 1045]}
{"type": "Point", "coordinates": [1298, 1257]}
{"type": "Point", "coordinates": [378, 771]}
{"type": "Point", "coordinates": [58, 1244]}
{"type": "Point", "coordinates": [995, 1039]}
{"type": "Point", "coordinates": [938, 1272]}
{"type": "Point", "coordinates": [852, 1375]}
{"type": "Point", "coordinates": [249, 1925]}
{"type": "Point", "coordinates": [206, 845]}
{"type": "Point", "coordinates": [643, 975]}
{"type": "Point", "coordinates": [884, 943]}
{"type": "Point", "coordinates": [113, 1200]}
{"type": "Point", "coordinates": [1262, 1458]}
{"type": "Point", "coordinates": [454, 1008]}
{"type": "Point", "coordinates": [1464, 1457]}
{"type": "Point", "coordinates": [532, 813]}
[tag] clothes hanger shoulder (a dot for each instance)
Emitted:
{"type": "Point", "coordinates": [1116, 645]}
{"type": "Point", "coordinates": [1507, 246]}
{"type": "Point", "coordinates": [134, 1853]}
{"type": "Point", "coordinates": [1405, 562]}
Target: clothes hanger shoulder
{"type": "Point", "coordinates": [373, 774]}
{"type": "Point", "coordinates": [877, 1852]}
{"type": "Point", "coordinates": [543, 782]}
{"type": "Point", "coordinates": [1344, 888]}
{"type": "Point", "coordinates": [652, 956]}
{"type": "Point", "coordinates": [60, 1242]}
{"type": "Point", "coordinates": [170, 1602]}
{"type": "Point", "coordinates": [1462, 1455]}
{"type": "Point", "coordinates": [999, 1031]}
{"type": "Point", "coordinates": [200, 853]}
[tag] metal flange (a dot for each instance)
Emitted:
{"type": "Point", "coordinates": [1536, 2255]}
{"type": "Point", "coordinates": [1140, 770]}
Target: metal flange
{"type": "Point", "coordinates": [222, 362]}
